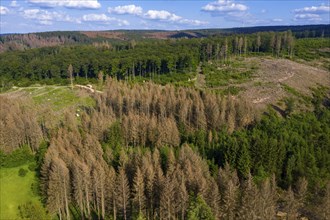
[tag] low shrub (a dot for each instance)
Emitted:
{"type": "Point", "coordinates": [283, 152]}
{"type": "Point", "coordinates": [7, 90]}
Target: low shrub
{"type": "Point", "coordinates": [22, 172]}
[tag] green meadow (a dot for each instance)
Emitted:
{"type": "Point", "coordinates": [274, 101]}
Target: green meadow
{"type": "Point", "coordinates": [15, 190]}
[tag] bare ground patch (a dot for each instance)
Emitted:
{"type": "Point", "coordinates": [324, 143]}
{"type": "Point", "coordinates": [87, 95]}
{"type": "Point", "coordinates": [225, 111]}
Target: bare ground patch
{"type": "Point", "coordinates": [104, 34]}
{"type": "Point", "coordinates": [273, 76]}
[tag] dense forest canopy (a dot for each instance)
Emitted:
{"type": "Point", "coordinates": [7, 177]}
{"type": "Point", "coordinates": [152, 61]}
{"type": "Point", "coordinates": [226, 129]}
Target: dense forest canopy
{"type": "Point", "coordinates": [99, 164]}
{"type": "Point", "coordinates": [141, 143]}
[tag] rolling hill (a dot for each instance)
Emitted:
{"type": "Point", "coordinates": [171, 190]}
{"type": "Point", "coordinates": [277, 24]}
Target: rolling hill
{"type": "Point", "coordinates": [9, 42]}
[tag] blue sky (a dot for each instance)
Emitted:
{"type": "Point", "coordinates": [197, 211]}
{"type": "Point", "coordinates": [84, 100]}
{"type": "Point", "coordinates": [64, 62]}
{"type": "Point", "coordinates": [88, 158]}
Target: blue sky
{"type": "Point", "coordinates": [23, 16]}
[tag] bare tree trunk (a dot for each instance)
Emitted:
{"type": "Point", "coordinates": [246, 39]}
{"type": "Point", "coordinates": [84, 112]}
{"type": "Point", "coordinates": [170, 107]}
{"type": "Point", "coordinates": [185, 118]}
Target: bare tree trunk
{"type": "Point", "coordinates": [87, 203]}
{"type": "Point", "coordinates": [114, 210]}
{"type": "Point", "coordinates": [66, 205]}
{"type": "Point", "coordinates": [59, 213]}
{"type": "Point", "coordinates": [102, 203]}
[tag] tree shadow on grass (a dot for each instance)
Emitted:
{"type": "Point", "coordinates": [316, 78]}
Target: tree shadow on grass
{"type": "Point", "coordinates": [279, 110]}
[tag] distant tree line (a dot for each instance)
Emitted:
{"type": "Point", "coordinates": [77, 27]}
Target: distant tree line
{"type": "Point", "coordinates": [148, 59]}
{"type": "Point", "coordinates": [12, 42]}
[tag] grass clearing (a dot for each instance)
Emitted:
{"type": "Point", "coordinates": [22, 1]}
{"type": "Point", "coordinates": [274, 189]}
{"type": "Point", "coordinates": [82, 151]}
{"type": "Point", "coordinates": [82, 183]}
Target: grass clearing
{"type": "Point", "coordinates": [302, 99]}
{"type": "Point", "coordinates": [55, 97]}
{"type": "Point", "coordinates": [15, 190]}
{"type": "Point", "coordinates": [234, 72]}
{"type": "Point", "coordinates": [60, 97]}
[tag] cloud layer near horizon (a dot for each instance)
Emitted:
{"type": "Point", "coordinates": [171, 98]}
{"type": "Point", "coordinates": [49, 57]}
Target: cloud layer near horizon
{"type": "Point", "coordinates": [73, 4]}
{"type": "Point", "coordinates": [102, 14]}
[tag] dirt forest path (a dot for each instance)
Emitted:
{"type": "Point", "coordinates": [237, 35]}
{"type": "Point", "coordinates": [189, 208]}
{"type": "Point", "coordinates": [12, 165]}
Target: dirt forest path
{"type": "Point", "coordinates": [200, 82]}
{"type": "Point", "coordinates": [88, 88]}
{"type": "Point", "coordinates": [36, 87]}
{"type": "Point", "coordinates": [19, 91]}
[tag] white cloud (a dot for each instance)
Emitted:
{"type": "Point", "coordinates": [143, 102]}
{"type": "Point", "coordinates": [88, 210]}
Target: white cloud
{"type": "Point", "coordinates": [307, 17]}
{"type": "Point", "coordinates": [224, 6]}
{"type": "Point", "coordinates": [322, 9]}
{"type": "Point", "coordinates": [45, 22]}
{"type": "Point", "coordinates": [14, 4]}
{"type": "Point", "coordinates": [193, 22]}
{"type": "Point", "coordinates": [277, 20]}
{"type": "Point", "coordinates": [231, 11]}
{"type": "Point", "coordinates": [38, 14]}
{"type": "Point", "coordinates": [166, 16]}
{"type": "Point", "coordinates": [312, 13]}
{"type": "Point", "coordinates": [241, 16]}
{"type": "Point", "coordinates": [45, 17]}
{"type": "Point", "coordinates": [96, 17]}
{"type": "Point", "coordinates": [104, 19]}
{"type": "Point", "coordinates": [76, 4]}
{"type": "Point", "coordinates": [126, 9]}
{"type": "Point", "coordinates": [161, 15]}
{"type": "Point", "coordinates": [3, 10]}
